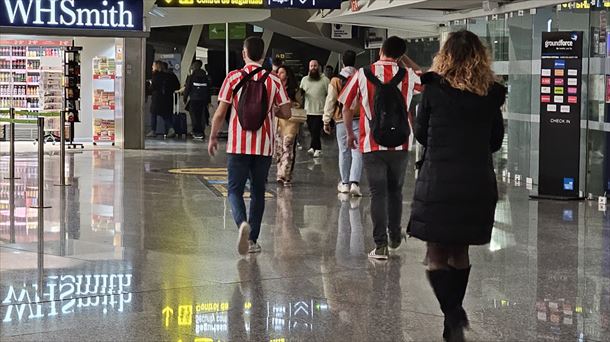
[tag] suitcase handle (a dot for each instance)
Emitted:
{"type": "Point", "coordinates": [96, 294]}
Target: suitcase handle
{"type": "Point", "coordinates": [176, 102]}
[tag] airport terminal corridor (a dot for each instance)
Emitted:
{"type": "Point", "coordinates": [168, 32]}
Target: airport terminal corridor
{"type": "Point", "coordinates": [141, 247]}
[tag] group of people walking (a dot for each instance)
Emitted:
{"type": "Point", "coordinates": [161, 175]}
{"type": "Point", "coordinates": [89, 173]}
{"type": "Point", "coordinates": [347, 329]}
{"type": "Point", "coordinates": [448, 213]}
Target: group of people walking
{"type": "Point", "coordinates": [458, 122]}
{"type": "Point", "coordinates": [165, 90]}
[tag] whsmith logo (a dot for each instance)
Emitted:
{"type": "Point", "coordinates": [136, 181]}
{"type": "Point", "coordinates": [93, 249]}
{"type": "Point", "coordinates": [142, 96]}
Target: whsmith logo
{"type": "Point", "coordinates": [68, 13]}
{"type": "Point", "coordinates": [558, 43]}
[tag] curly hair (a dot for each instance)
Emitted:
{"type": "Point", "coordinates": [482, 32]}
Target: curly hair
{"type": "Point", "coordinates": [465, 63]}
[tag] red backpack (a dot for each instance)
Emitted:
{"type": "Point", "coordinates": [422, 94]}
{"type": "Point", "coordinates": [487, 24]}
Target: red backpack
{"type": "Point", "coordinates": [253, 105]}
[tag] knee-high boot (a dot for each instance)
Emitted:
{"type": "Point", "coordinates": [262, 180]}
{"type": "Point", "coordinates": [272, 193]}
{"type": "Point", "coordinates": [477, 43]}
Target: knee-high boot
{"type": "Point", "coordinates": [443, 284]}
{"type": "Point", "coordinates": [459, 279]}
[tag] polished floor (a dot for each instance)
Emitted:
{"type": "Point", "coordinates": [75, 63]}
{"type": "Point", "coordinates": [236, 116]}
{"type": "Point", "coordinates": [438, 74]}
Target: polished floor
{"type": "Point", "coordinates": [133, 252]}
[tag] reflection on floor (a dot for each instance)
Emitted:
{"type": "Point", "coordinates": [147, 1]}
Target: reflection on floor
{"type": "Point", "coordinates": [132, 252]}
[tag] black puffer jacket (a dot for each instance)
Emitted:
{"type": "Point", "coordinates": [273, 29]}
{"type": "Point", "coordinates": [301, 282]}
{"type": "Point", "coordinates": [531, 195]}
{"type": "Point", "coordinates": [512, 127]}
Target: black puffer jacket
{"type": "Point", "coordinates": [163, 86]}
{"type": "Point", "coordinates": [456, 191]}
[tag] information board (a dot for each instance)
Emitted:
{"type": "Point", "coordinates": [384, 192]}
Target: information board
{"type": "Point", "coordinates": [262, 4]}
{"type": "Point", "coordinates": [560, 112]}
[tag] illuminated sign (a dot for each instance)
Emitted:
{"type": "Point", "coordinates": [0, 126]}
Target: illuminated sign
{"type": "Point", "coordinates": [586, 4]}
{"type": "Point", "coordinates": [304, 4]}
{"type": "Point", "coordinates": [85, 14]}
{"type": "Point", "coordinates": [67, 294]}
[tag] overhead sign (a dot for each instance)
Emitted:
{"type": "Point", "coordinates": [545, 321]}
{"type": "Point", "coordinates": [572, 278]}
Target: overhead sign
{"type": "Point", "coordinates": [73, 14]}
{"type": "Point", "coordinates": [341, 31]}
{"type": "Point", "coordinates": [375, 37]}
{"type": "Point", "coordinates": [262, 4]}
{"type": "Point", "coordinates": [560, 112]}
{"type": "Point", "coordinates": [236, 31]}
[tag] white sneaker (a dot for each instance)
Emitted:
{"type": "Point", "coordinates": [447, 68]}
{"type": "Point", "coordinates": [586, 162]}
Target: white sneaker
{"type": "Point", "coordinates": [151, 134]}
{"type": "Point", "coordinates": [311, 151]}
{"type": "Point", "coordinates": [242, 238]}
{"type": "Point", "coordinates": [343, 188]}
{"type": "Point", "coordinates": [317, 154]}
{"type": "Point", "coordinates": [254, 247]}
{"type": "Point", "coordinates": [355, 190]}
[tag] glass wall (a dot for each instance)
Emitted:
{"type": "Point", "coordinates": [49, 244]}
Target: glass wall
{"type": "Point", "coordinates": [514, 40]}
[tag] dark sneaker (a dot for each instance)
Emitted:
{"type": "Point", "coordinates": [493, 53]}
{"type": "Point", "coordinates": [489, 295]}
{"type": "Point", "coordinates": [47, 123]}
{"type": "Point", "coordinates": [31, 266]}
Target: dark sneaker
{"type": "Point", "coordinates": [242, 238]}
{"type": "Point", "coordinates": [254, 247]}
{"type": "Point", "coordinates": [394, 245]}
{"type": "Point", "coordinates": [379, 253]}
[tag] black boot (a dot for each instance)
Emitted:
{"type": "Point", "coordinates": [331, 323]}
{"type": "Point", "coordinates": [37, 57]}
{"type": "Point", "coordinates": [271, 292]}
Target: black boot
{"type": "Point", "coordinates": [440, 280]}
{"type": "Point", "coordinates": [443, 284]}
{"type": "Point", "coordinates": [460, 283]}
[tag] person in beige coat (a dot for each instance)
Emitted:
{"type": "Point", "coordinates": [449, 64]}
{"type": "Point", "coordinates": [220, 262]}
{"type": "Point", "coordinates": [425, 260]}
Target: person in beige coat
{"type": "Point", "coordinates": [288, 129]}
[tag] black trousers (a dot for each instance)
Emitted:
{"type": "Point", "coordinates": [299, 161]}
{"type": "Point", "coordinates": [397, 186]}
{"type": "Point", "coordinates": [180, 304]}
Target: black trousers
{"type": "Point", "coordinates": [199, 116]}
{"type": "Point", "coordinates": [385, 171]}
{"type": "Point", "coordinates": [315, 125]}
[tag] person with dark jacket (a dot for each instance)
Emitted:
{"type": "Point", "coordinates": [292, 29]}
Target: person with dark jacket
{"type": "Point", "coordinates": [197, 98]}
{"type": "Point", "coordinates": [163, 86]}
{"type": "Point", "coordinates": [459, 123]}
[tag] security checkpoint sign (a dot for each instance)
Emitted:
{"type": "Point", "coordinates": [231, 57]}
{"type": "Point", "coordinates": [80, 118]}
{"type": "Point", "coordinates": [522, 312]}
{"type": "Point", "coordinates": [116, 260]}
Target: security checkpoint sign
{"type": "Point", "coordinates": [261, 4]}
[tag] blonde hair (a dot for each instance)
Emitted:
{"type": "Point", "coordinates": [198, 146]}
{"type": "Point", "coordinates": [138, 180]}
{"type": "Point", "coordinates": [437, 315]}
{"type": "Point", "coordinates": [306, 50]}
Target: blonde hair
{"type": "Point", "coordinates": [465, 63]}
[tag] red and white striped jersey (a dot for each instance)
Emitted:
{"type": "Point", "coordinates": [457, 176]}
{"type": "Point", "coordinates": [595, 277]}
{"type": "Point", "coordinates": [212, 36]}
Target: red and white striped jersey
{"type": "Point", "coordinates": [262, 141]}
{"type": "Point", "coordinates": [358, 88]}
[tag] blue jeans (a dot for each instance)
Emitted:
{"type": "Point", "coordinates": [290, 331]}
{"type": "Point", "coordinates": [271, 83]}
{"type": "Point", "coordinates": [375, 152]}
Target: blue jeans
{"type": "Point", "coordinates": [242, 167]}
{"type": "Point", "coordinates": [350, 161]}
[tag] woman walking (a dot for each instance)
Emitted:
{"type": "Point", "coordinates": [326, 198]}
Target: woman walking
{"type": "Point", "coordinates": [460, 125]}
{"type": "Point", "coordinates": [288, 129]}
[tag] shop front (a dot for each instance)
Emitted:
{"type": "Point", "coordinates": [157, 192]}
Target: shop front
{"type": "Point", "coordinates": [34, 62]}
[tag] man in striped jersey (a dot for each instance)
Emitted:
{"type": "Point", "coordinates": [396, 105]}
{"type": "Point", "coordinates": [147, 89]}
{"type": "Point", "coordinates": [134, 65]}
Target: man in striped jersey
{"type": "Point", "coordinates": [385, 167]}
{"type": "Point", "coordinates": [249, 152]}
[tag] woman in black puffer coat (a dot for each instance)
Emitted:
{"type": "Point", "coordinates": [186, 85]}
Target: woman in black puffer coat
{"type": "Point", "coordinates": [460, 124]}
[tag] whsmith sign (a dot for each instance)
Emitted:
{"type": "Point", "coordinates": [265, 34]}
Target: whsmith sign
{"type": "Point", "coordinates": [73, 14]}
{"type": "Point", "coordinates": [303, 4]}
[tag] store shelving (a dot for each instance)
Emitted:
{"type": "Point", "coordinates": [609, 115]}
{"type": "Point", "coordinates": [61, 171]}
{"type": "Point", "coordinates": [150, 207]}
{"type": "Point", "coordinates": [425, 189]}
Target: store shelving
{"type": "Point", "coordinates": [21, 69]}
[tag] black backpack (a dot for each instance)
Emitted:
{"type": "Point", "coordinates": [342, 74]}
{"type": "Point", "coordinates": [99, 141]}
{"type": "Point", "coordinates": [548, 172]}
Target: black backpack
{"type": "Point", "coordinates": [389, 124]}
{"type": "Point", "coordinates": [253, 105]}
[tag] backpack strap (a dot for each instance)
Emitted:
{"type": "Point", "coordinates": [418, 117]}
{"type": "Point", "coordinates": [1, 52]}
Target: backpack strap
{"type": "Point", "coordinates": [400, 75]}
{"type": "Point", "coordinates": [371, 77]}
{"type": "Point", "coordinates": [247, 77]}
{"type": "Point", "coordinates": [343, 79]}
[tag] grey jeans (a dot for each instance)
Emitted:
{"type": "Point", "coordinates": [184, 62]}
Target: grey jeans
{"type": "Point", "coordinates": [385, 171]}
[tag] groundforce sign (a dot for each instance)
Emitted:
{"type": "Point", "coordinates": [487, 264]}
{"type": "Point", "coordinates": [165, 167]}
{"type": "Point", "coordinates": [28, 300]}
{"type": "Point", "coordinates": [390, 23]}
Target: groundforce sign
{"type": "Point", "coordinates": [75, 14]}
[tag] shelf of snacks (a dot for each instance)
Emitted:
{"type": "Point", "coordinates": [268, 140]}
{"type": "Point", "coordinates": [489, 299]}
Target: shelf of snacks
{"type": "Point", "coordinates": [104, 68]}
